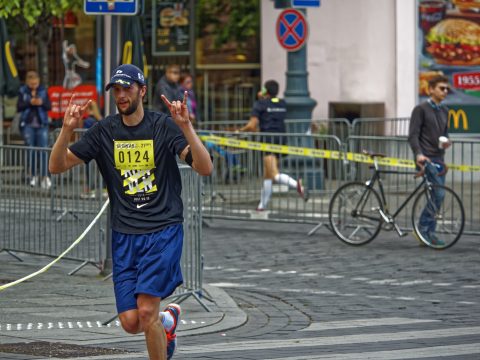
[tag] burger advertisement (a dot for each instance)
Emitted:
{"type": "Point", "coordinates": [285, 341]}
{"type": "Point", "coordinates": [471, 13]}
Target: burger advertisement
{"type": "Point", "coordinates": [449, 44]}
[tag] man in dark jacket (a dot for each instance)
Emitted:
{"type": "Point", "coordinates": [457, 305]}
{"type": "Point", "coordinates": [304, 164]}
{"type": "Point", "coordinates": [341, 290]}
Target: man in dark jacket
{"type": "Point", "coordinates": [428, 138]}
{"type": "Point", "coordinates": [169, 86]}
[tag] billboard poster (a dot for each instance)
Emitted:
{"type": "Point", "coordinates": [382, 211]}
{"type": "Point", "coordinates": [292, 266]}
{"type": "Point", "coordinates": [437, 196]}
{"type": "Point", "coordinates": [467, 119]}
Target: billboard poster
{"type": "Point", "coordinates": [449, 44]}
{"type": "Point", "coordinates": [171, 26]}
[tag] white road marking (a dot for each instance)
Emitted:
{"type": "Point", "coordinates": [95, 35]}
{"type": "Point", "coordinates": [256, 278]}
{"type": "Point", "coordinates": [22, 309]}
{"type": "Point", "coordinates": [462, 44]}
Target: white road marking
{"type": "Point", "coordinates": [414, 353]}
{"type": "Point", "coordinates": [226, 284]}
{"type": "Point", "coordinates": [346, 324]}
{"type": "Point", "coordinates": [70, 325]}
{"type": "Point", "coordinates": [332, 340]}
{"type": "Point", "coordinates": [308, 274]}
{"type": "Point", "coordinates": [442, 284]}
{"type": "Point", "coordinates": [334, 276]}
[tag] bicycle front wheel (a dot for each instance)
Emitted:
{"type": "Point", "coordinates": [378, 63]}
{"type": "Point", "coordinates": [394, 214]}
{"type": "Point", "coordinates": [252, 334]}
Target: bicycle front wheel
{"type": "Point", "coordinates": [354, 213]}
{"type": "Point", "coordinates": [438, 217]}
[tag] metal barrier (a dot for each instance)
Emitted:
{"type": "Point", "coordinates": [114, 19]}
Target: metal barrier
{"type": "Point", "coordinates": [192, 261]}
{"type": "Point", "coordinates": [233, 191]}
{"type": "Point", "coordinates": [340, 128]}
{"type": "Point", "coordinates": [398, 186]}
{"type": "Point", "coordinates": [380, 127]}
{"type": "Point", "coordinates": [45, 221]}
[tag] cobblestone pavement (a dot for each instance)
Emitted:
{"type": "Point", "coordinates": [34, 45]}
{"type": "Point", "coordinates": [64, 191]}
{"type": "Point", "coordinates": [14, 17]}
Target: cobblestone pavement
{"type": "Point", "coordinates": [317, 298]}
{"type": "Point", "coordinates": [313, 297]}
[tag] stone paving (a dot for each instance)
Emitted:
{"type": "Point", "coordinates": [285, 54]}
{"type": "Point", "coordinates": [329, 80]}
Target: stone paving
{"type": "Point", "coordinates": [279, 294]}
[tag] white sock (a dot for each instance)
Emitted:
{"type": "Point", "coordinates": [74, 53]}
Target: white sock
{"type": "Point", "coordinates": [167, 320]}
{"type": "Point", "coordinates": [265, 194]}
{"type": "Point", "coordinates": [286, 180]}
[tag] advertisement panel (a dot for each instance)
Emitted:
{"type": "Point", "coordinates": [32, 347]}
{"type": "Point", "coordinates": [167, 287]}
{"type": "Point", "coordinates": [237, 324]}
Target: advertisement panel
{"type": "Point", "coordinates": [171, 24]}
{"type": "Point", "coordinates": [449, 44]}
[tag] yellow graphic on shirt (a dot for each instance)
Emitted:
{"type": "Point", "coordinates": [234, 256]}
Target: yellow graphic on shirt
{"type": "Point", "coordinates": [134, 155]}
{"type": "Point", "coordinates": [138, 181]}
{"type": "Point", "coordinates": [136, 161]}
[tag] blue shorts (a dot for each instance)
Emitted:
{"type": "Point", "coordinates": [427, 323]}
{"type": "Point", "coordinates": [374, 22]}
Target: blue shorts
{"type": "Point", "coordinates": [146, 264]}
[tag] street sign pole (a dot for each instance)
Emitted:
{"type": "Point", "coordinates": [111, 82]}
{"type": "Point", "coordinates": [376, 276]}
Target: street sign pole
{"type": "Point", "coordinates": [292, 33]}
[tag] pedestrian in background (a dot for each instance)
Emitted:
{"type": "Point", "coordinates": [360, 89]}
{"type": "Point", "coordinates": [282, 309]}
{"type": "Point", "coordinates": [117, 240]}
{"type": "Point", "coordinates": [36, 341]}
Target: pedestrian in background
{"type": "Point", "coordinates": [186, 84]}
{"type": "Point", "coordinates": [268, 115]}
{"type": "Point", "coordinates": [33, 105]}
{"type": "Point", "coordinates": [428, 138]}
{"type": "Point", "coordinates": [169, 86]}
{"type": "Point", "coordinates": [136, 152]}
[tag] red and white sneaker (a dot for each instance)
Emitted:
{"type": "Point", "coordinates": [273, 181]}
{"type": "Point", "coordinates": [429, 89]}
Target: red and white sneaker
{"type": "Point", "coordinates": [175, 310]}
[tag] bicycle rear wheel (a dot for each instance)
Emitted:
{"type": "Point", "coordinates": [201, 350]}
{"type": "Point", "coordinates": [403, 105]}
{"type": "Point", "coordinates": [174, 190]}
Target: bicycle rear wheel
{"type": "Point", "coordinates": [354, 213]}
{"type": "Point", "coordinates": [438, 223]}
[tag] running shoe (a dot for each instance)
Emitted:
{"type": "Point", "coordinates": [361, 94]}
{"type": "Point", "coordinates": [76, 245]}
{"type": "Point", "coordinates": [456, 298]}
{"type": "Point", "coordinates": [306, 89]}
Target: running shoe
{"type": "Point", "coordinates": [434, 240]}
{"type": "Point", "coordinates": [301, 190]}
{"type": "Point", "coordinates": [175, 310]}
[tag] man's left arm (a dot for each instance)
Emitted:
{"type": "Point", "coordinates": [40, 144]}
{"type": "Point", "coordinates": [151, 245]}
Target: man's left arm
{"type": "Point", "coordinates": [195, 154]}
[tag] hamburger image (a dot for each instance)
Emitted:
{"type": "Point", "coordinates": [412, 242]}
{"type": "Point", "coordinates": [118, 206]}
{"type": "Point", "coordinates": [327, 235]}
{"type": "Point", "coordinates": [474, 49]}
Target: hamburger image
{"type": "Point", "coordinates": [455, 42]}
{"type": "Point", "coordinates": [167, 17]}
{"type": "Point", "coordinates": [468, 6]}
{"type": "Point", "coordinates": [424, 78]}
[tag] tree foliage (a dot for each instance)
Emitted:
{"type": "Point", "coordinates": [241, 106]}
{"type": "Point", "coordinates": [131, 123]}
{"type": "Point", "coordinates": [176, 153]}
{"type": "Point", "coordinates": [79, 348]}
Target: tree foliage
{"type": "Point", "coordinates": [228, 20]}
{"type": "Point", "coordinates": [32, 14]}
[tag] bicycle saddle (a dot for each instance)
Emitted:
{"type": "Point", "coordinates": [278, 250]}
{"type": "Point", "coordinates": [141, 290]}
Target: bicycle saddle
{"type": "Point", "coordinates": [373, 154]}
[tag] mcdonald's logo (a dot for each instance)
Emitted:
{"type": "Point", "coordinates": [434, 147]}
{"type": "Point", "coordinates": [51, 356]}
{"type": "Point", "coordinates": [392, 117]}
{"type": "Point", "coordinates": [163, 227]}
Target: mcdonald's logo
{"type": "Point", "coordinates": [457, 116]}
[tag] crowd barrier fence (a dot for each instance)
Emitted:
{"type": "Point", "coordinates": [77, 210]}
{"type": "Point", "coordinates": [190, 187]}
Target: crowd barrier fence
{"type": "Point", "coordinates": [45, 220]}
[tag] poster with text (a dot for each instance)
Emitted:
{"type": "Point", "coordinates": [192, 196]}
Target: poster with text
{"type": "Point", "coordinates": [449, 44]}
{"type": "Point", "coordinates": [171, 28]}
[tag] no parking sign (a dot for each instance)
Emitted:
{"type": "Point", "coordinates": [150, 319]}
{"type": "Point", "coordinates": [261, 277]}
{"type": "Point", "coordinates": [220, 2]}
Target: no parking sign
{"type": "Point", "coordinates": [291, 29]}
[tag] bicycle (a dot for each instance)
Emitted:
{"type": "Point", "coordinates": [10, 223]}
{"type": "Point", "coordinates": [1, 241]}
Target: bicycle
{"type": "Point", "coordinates": [357, 211]}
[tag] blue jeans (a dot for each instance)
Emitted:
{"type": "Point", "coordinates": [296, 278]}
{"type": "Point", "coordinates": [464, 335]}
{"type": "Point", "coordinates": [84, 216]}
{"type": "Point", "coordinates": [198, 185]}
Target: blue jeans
{"type": "Point", "coordinates": [36, 137]}
{"type": "Point", "coordinates": [427, 220]}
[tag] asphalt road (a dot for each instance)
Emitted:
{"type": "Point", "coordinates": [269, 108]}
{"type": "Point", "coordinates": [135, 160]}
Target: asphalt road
{"type": "Point", "coordinates": [317, 298]}
{"type": "Point", "coordinates": [305, 298]}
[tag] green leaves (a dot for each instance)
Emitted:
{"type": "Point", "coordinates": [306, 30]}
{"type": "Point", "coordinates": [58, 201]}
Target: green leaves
{"type": "Point", "coordinates": [35, 11]}
{"type": "Point", "coordinates": [229, 21]}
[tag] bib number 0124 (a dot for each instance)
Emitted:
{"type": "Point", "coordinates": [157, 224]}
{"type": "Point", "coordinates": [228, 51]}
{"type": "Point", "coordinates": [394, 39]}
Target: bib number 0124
{"type": "Point", "coordinates": [134, 155]}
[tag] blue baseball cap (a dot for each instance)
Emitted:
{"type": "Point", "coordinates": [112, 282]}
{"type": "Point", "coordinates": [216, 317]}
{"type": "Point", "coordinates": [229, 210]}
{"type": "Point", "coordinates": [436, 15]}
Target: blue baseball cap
{"type": "Point", "coordinates": [125, 75]}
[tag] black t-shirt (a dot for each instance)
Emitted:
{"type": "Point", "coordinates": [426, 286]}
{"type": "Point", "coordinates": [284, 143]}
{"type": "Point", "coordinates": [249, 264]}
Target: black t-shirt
{"type": "Point", "coordinates": [138, 164]}
{"type": "Point", "coordinates": [271, 114]}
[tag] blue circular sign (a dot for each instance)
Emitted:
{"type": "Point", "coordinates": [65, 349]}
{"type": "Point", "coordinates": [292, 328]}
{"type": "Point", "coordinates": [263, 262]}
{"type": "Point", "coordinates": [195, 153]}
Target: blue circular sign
{"type": "Point", "coordinates": [291, 29]}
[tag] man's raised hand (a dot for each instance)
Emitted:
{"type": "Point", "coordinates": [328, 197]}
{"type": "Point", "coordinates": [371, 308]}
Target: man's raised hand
{"type": "Point", "coordinates": [74, 113]}
{"type": "Point", "coordinates": [178, 109]}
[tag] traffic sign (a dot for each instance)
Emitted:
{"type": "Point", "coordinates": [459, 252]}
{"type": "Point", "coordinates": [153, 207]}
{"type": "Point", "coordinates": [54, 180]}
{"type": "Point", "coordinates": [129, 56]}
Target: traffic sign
{"type": "Point", "coordinates": [291, 29]}
{"type": "Point", "coordinates": [305, 3]}
{"type": "Point", "coordinates": [114, 7]}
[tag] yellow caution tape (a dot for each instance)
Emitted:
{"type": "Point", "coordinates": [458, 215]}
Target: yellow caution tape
{"type": "Point", "coordinates": [319, 153]}
{"type": "Point", "coordinates": [48, 266]}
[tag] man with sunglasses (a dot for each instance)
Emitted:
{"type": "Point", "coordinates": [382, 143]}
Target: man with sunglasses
{"type": "Point", "coordinates": [428, 138]}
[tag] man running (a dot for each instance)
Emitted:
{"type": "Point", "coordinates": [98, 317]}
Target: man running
{"type": "Point", "coordinates": [136, 153]}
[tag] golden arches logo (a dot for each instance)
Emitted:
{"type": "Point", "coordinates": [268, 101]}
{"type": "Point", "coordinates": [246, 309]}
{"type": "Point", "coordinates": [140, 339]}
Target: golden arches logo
{"type": "Point", "coordinates": [457, 116]}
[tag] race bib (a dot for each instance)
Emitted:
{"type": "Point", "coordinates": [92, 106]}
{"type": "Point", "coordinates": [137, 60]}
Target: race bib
{"type": "Point", "coordinates": [134, 155]}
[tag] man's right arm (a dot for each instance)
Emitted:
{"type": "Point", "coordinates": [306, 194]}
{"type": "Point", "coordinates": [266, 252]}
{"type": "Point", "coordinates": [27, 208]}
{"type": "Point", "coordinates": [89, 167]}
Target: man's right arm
{"type": "Point", "coordinates": [61, 158]}
{"type": "Point", "coordinates": [416, 121]}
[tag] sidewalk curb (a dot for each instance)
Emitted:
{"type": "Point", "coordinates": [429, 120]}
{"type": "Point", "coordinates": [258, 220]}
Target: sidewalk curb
{"type": "Point", "coordinates": [233, 317]}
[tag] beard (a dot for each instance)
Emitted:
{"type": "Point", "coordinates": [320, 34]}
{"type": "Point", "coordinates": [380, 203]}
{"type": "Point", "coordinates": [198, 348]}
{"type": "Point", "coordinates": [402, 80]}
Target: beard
{"type": "Point", "coordinates": [133, 106]}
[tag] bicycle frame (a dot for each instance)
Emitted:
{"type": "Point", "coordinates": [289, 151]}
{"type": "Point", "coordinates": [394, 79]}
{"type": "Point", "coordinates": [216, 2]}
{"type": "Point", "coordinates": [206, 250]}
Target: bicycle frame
{"type": "Point", "coordinates": [376, 177]}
